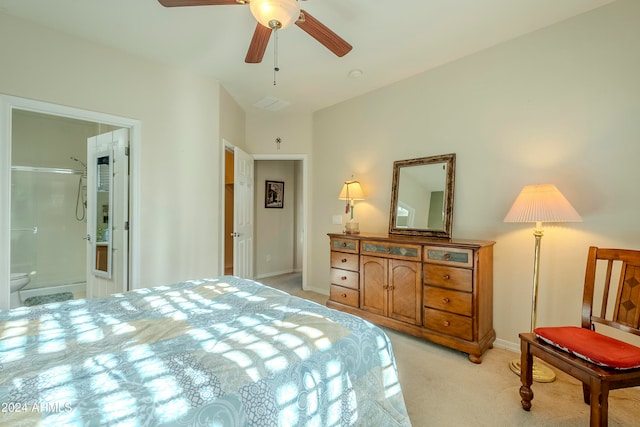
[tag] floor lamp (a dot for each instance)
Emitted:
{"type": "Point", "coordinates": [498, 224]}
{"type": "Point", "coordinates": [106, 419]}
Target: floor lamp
{"type": "Point", "coordinates": [539, 203]}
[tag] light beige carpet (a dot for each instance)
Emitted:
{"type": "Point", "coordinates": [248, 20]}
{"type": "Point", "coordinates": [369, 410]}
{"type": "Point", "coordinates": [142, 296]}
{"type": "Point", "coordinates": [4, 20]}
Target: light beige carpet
{"type": "Point", "coordinates": [442, 388]}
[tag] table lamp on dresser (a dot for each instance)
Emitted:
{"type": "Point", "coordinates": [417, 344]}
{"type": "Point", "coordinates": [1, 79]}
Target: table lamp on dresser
{"type": "Point", "coordinates": [351, 191]}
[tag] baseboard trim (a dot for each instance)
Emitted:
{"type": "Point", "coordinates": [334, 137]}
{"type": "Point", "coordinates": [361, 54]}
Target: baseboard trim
{"type": "Point", "coordinates": [507, 345]}
{"type": "Point", "coordinates": [317, 290]}
{"type": "Point", "coordinates": [274, 273]}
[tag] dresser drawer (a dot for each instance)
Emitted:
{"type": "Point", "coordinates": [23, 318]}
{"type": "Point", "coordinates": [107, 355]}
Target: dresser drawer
{"type": "Point", "coordinates": [392, 250]}
{"type": "Point", "coordinates": [344, 295]}
{"type": "Point", "coordinates": [344, 261]}
{"type": "Point", "coordinates": [446, 300]}
{"type": "Point", "coordinates": [448, 323]}
{"type": "Point", "coordinates": [460, 279]}
{"type": "Point", "coordinates": [345, 245]}
{"type": "Point", "coordinates": [448, 256]}
{"type": "Point", "coordinates": [346, 278]}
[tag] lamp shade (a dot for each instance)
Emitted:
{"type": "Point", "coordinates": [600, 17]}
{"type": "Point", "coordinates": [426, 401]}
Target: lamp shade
{"type": "Point", "coordinates": [275, 14]}
{"type": "Point", "coordinates": [541, 203]}
{"type": "Point", "coordinates": [351, 190]}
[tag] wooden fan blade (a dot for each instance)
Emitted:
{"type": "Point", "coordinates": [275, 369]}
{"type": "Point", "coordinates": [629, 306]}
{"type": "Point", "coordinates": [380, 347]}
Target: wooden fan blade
{"type": "Point", "coordinates": [324, 35]}
{"type": "Point", "coordinates": [258, 44]}
{"type": "Point", "coordinates": [180, 3]}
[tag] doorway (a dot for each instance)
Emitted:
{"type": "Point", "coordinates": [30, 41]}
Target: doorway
{"type": "Point", "coordinates": [282, 231]}
{"type": "Point", "coordinates": [27, 245]}
{"type": "Point", "coordinates": [301, 190]}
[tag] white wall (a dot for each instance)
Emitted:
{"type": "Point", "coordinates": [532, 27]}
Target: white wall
{"type": "Point", "coordinates": [294, 130]}
{"type": "Point", "coordinates": [560, 105]}
{"type": "Point", "coordinates": [232, 121]}
{"type": "Point", "coordinates": [180, 116]}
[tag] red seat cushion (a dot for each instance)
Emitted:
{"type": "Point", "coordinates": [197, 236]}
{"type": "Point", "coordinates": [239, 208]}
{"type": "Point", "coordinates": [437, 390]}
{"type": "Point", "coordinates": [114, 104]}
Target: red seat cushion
{"type": "Point", "coordinates": [592, 346]}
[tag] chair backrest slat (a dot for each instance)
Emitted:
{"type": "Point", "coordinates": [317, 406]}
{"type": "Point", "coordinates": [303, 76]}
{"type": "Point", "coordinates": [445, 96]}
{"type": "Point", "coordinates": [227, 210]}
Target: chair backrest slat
{"type": "Point", "coordinates": [627, 309]}
{"type": "Point", "coordinates": [607, 287]}
{"type": "Point", "coordinates": [625, 313]}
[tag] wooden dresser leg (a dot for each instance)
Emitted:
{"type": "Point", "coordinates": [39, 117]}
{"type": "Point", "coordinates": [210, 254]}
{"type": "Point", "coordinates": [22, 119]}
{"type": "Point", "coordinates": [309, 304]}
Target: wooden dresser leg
{"type": "Point", "coordinates": [526, 375]}
{"type": "Point", "coordinates": [475, 359]}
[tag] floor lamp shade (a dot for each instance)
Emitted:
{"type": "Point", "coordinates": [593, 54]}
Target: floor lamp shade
{"type": "Point", "coordinates": [541, 203]}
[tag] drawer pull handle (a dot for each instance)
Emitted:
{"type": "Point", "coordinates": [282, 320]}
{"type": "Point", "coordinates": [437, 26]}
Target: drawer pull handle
{"type": "Point", "coordinates": [343, 260]}
{"type": "Point", "coordinates": [446, 323]}
{"type": "Point", "coordinates": [387, 249]}
{"type": "Point", "coordinates": [343, 278]}
{"type": "Point", "coordinates": [446, 277]}
{"type": "Point", "coordinates": [447, 255]}
{"type": "Point", "coordinates": [344, 244]}
{"type": "Point", "coordinates": [344, 295]}
{"type": "Point", "coordinates": [446, 300]}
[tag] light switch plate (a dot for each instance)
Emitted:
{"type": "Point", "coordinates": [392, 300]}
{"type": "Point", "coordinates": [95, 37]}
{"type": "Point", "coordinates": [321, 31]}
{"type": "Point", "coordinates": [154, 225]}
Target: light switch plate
{"type": "Point", "coordinates": [337, 219]}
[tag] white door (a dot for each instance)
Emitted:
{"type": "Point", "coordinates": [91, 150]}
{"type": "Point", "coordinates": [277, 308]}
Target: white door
{"type": "Point", "coordinates": [108, 213]}
{"type": "Point", "coordinates": [242, 214]}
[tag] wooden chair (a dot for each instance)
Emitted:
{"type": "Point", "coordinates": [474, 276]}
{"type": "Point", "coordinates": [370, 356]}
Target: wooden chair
{"type": "Point", "coordinates": [602, 372]}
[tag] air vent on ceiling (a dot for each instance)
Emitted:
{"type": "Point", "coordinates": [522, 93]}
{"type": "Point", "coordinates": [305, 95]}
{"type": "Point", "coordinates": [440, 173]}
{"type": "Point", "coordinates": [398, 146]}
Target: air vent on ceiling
{"type": "Point", "coordinates": [272, 104]}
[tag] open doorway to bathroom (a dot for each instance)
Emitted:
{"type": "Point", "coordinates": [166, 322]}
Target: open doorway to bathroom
{"type": "Point", "coordinates": [49, 205]}
{"type": "Point", "coordinates": [43, 209]}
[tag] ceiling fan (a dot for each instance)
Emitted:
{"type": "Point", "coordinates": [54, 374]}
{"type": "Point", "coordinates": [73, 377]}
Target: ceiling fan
{"type": "Point", "coordinates": [274, 15]}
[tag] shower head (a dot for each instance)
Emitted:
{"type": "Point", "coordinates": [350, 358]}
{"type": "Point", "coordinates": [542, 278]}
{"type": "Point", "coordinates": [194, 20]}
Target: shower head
{"type": "Point", "coordinates": [84, 165]}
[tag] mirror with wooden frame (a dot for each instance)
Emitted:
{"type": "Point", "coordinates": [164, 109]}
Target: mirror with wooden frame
{"type": "Point", "coordinates": [422, 196]}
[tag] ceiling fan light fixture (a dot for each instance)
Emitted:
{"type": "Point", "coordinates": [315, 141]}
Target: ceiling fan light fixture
{"type": "Point", "coordinates": [275, 14]}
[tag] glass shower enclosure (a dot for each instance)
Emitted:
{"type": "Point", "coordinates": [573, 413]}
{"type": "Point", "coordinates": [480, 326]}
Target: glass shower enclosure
{"type": "Point", "coordinates": [48, 223]}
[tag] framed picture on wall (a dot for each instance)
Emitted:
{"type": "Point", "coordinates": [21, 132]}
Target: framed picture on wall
{"type": "Point", "coordinates": [274, 194]}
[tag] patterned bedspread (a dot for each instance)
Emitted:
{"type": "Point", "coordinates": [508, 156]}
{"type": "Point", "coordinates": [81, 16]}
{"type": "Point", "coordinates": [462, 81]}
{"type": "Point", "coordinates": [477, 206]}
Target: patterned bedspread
{"type": "Point", "coordinates": [215, 352]}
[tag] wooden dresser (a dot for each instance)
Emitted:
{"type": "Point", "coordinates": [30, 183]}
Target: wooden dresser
{"type": "Point", "coordinates": [437, 289]}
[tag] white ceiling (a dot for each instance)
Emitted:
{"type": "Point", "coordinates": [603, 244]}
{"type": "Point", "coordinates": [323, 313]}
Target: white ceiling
{"type": "Point", "coordinates": [391, 39]}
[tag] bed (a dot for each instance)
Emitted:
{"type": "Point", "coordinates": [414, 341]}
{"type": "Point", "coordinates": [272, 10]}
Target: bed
{"type": "Point", "coordinates": [218, 352]}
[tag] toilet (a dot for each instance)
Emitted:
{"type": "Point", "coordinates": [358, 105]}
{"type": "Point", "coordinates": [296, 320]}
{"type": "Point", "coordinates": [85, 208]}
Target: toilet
{"type": "Point", "coordinates": [18, 281]}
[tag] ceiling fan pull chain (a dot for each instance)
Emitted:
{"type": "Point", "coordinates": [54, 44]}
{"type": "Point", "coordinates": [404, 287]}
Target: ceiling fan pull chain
{"type": "Point", "coordinates": [275, 55]}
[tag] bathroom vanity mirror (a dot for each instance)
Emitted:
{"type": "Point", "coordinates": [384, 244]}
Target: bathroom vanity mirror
{"type": "Point", "coordinates": [102, 209]}
{"type": "Point", "coordinates": [422, 196]}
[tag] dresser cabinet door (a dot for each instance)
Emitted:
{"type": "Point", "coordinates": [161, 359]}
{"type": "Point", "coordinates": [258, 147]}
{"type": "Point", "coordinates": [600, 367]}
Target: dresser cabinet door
{"type": "Point", "coordinates": [373, 284]}
{"type": "Point", "coordinates": [404, 291]}
{"type": "Point", "coordinates": [391, 288]}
